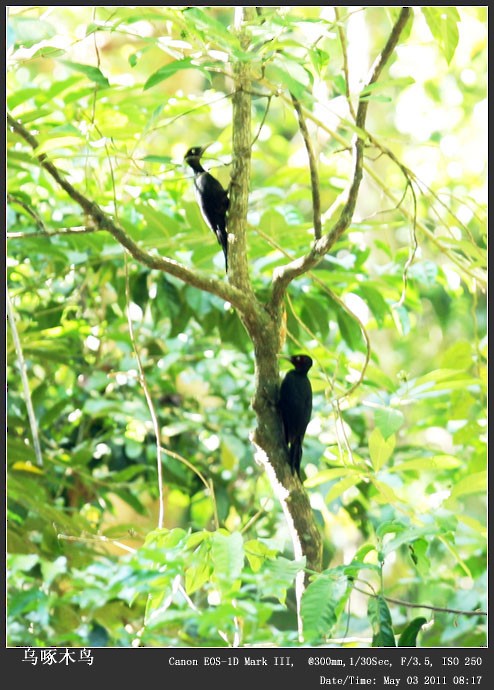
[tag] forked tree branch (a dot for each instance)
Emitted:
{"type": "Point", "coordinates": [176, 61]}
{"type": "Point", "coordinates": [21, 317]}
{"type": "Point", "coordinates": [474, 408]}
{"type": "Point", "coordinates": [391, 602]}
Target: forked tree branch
{"type": "Point", "coordinates": [314, 175]}
{"type": "Point", "coordinates": [283, 276]}
{"type": "Point", "coordinates": [102, 221]}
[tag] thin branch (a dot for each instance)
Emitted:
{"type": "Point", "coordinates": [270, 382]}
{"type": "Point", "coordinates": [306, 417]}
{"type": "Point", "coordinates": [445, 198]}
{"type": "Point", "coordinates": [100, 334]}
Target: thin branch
{"type": "Point", "coordinates": [238, 298]}
{"type": "Point", "coordinates": [142, 376]}
{"type": "Point", "coordinates": [13, 199]}
{"type": "Point", "coordinates": [314, 176]}
{"type": "Point", "coordinates": [25, 383]}
{"type": "Point", "coordinates": [97, 540]}
{"type": "Point", "coordinates": [343, 43]}
{"type": "Point", "coordinates": [441, 609]}
{"type": "Point", "coordinates": [365, 336]}
{"type": "Point", "coordinates": [283, 276]}
{"type": "Point", "coordinates": [410, 178]}
{"type": "Point", "coordinates": [80, 230]}
{"type": "Point", "coordinates": [259, 129]}
{"type": "Point", "coordinates": [342, 434]}
{"type": "Point", "coordinates": [410, 605]}
{"type": "Point", "coordinates": [251, 521]}
{"type": "Point", "coordinates": [455, 258]}
{"type": "Point", "coordinates": [149, 400]}
{"type": "Point", "coordinates": [208, 484]}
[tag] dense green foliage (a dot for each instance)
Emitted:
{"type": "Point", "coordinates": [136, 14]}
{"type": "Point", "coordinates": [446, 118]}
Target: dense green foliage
{"type": "Point", "coordinates": [394, 318]}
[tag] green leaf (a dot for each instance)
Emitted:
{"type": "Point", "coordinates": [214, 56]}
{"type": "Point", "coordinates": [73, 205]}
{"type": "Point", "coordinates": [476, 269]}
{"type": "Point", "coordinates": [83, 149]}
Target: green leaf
{"type": "Point", "coordinates": [375, 301]}
{"type": "Point", "coordinates": [99, 407]}
{"type": "Point", "coordinates": [362, 552]}
{"type": "Point", "coordinates": [172, 68]}
{"type": "Point", "coordinates": [388, 420]}
{"type": "Point", "coordinates": [399, 83]}
{"type": "Point", "coordinates": [197, 538]}
{"type": "Point", "coordinates": [197, 574]}
{"type": "Point", "coordinates": [18, 451]}
{"type": "Point", "coordinates": [339, 84]}
{"type": "Point", "coordinates": [133, 449]}
{"type": "Point", "coordinates": [215, 30]}
{"type": "Point", "coordinates": [385, 493]}
{"type": "Point", "coordinates": [328, 475]}
{"type": "Point", "coordinates": [408, 536]}
{"type": "Point", "coordinates": [227, 553]}
{"type": "Point", "coordinates": [156, 603]}
{"type": "Point", "coordinates": [164, 539]}
{"type": "Point", "coordinates": [471, 484]}
{"type": "Point", "coordinates": [320, 59]}
{"type": "Point", "coordinates": [22, 562]}
{"type": "Point", "coordinates": [290, 74]}
{"type": "Point", "coordinates": [320, 602]}
{"type": "Point", "coordinates": [129, 473]}
{"type": "Point", "coordinates": [380, 449]}
{"type": "Point", "coordinates": [81, 454]}
{"type": "Point", "coordinates": [49, 52]}
{"type": "Point", "coordinates": [425, 272]}
{"type": "Point", "coordinates": [164, 160]}
{"type": "Point", "coordinates": [283, 570]}
{"type": "Point", "coordinates": [22, 466]}
{"type": "Point", "coordinates": [58, 143]}
{"type": "Point", "coordinates": [340, 487]}
{"type": "Point", "coordinates": [51, 569]}
{"type": "Point", "coordinates": [427, 464]}
{"type": "Point", "coordinates": [418, 554]}
{"type": "Point", "coordinates": [477, 256]}
{"type": "Point", "coordinates": [258, 553]}
{"type": "Point", "coordinates": [458, 356]}
{"type": "Point", "coordinates": [91, 72]}
{"type": "Point", "coordinates": [402, 319]}
{"type": "Point", "coordinates": [353, 569]}
{"type": "Point", "coordinates": [380, 619]}
{"type": "Point", "coordinates": [408, 637]}
{"type": "Point", "coordinates": [314, 314]}
{"type": "Point", "coordinates": [350, 330]}
{"type": "Point", "coordinates": [443, 24]}
{"type": "Point", "coordinates": [390, 527]}
{"type": "Point", "coordinates": [436, 383]}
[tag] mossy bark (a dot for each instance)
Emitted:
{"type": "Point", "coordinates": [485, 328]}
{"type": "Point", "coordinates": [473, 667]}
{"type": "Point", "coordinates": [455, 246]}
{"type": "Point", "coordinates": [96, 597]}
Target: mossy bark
{"type": "Point", "coordinates": [265, 326]}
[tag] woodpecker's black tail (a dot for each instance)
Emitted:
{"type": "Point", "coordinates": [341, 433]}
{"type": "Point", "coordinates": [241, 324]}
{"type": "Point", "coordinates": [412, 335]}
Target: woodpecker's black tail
{"type": "Point", "coordinates": [223, 240]}
{"type": "Point", "coordinates": [296, 455]}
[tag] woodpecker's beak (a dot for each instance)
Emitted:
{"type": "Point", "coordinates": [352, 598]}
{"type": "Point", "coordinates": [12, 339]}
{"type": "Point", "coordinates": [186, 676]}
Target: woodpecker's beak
{"type": "Point", "coordinates": [287, 357]}
{"type": "Point", "coordinates": [203, 148]}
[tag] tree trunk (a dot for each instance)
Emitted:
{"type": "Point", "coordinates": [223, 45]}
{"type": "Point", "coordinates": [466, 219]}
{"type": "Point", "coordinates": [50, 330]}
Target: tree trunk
{"type": "Point", "coordinates": [264, 328]}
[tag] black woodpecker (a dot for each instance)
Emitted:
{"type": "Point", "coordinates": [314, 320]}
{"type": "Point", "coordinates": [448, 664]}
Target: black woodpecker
{"type": "Point", "coordinates": [295, 405]}
{"type": "Point", "coordinates": [211, 197]}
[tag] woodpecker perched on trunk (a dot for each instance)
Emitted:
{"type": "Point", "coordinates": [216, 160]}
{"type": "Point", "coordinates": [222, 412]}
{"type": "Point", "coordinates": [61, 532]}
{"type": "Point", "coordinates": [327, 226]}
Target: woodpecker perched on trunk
{"type": "Point", "coordinates": [211, 197]}
{"type": "Point", "coordinates": [295, 405]}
